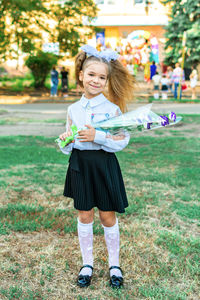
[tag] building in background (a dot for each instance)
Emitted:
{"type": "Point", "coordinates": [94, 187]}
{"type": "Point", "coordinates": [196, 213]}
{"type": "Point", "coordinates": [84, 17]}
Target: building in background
{"type": "Point", "coordinates": [135, 24]}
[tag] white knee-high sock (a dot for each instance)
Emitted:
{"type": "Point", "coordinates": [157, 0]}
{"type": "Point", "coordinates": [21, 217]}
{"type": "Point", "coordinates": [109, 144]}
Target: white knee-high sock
{"type": "Point", "coordinates": [85, 235]}
{"type": "Point", "coordinates": [112, 242]}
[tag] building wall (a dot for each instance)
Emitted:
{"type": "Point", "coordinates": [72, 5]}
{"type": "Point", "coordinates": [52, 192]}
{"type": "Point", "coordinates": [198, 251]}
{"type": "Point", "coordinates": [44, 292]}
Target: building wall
{"type": "Point", "coordinates": [129, 7]}
{"type": "Point", "coordinates": [132, 15]}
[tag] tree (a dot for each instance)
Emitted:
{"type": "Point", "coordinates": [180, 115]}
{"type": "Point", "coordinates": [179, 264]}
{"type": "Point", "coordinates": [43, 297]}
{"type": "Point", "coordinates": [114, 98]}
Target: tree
{"type": "Point", "coordinates": [72, 23]}
{"type": "Point", "coordinates": [184, 16]}
{"type": "Point", "coordinates": [21, 23]}
{"type": "Point", "coordinates": [40, 65]}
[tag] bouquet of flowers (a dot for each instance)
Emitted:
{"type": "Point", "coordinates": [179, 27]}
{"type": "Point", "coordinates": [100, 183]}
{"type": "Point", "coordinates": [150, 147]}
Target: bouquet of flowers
{"type": "Point", "coordinates": [139, 119]}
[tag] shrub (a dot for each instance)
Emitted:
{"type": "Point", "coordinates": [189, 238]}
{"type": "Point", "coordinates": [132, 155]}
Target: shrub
{"type": "Point", "coordinates": [40, 66]}
{"type": "Point", "coordinates": [17, 86]}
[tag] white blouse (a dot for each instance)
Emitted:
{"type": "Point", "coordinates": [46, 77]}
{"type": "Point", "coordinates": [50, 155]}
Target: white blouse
{"type": "Point", "coordinates": [84, 112]}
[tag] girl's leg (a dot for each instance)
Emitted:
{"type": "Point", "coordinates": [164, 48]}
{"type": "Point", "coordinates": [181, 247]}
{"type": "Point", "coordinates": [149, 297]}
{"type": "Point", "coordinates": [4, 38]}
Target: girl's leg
{"type": "Point", "coordinates": [111, 233]}
{"type": "Point", "coordinates": [193, 93]}
{"type": "Point", "coordinates": [85, 235]}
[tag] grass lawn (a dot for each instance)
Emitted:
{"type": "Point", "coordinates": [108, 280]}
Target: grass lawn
{"type": "Point", "coordinates": [160, 245]}
{"type": "Point", "coordinates": [18, 120]}
{"type": "Point", "coordinates": [25, 84]}
{"type": "Point", "coordinates": [182, 100]}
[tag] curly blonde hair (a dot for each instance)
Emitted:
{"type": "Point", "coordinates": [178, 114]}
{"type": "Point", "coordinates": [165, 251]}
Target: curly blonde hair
{"type": "Point", "coordinates": [120, 81]}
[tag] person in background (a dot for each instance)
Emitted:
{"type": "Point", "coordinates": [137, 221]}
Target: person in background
{"type": "Point", "coordinates": [169, 76]}
{"type": "Point", "coordinates": [177, 77]}
{"type": "Point", "coordinates": [64, 79]}
{"type": "Point", "coordinates": [153, 69]}
{"type": "Point", "coordinates": [54, 82]}
{"type": "Point", "coordinates": [193, 82]}
{"type": "Point", "coordinates": [164, 86]}
{"type": "Point", "coordinates": [156, 81]}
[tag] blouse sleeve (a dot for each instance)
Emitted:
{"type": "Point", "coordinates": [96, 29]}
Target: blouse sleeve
{"type": "Point", "coordinates": [112, 143]}
{"type": "Point", "coordinates": [68, 149]}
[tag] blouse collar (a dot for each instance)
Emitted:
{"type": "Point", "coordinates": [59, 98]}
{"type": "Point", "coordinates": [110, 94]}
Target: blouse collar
{"type": "Point", "coordinates": [94, 101]}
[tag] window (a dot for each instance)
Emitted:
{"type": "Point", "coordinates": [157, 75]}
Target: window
{"type": "Point", "coordinates": [112, 2]}
{"type": "Point", "coordinates": [138, 1]}
{"type": "Point", "coordinates": [106, 2]}
{"type": "Point", "coordinates": [146, 2]}
{"type": "Point", "coordinates": [99, 2]}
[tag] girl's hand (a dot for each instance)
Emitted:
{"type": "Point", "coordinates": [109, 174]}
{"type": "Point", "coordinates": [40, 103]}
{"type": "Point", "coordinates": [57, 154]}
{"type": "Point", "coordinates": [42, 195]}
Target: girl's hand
{"type": "Point", "coordinates": [87, 135]}
{"type": "Point", "coordinates": [64, 135]}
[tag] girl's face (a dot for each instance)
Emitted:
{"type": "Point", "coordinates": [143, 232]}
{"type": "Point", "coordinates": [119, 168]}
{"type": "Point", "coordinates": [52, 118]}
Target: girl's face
{"type": "Point", "coordinates": [94, 78]}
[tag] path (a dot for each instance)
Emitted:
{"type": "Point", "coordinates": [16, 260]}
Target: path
{"type": "Point", "coordinates": [61, 108]}
{"type": "Point", "coordinates": [47, 119]}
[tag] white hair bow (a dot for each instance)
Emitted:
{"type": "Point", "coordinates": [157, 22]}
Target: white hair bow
{"type": "Point", "coordinates": [108, 54]}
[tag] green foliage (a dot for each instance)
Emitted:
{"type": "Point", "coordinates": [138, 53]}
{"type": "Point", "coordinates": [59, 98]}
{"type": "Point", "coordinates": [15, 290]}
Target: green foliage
{"type": "Point", "coordinates": [184, 16]}
{"type": "Point", "coordinates": [17, 84]}
{"type": "Point", "coordinates": [23, 30]}
{"type": "Point", "coordinates": [40, 65]}
{"type": "Point", "coordinates": [28, 19]}
{"type": "Point", "coordinates": [72, 28]}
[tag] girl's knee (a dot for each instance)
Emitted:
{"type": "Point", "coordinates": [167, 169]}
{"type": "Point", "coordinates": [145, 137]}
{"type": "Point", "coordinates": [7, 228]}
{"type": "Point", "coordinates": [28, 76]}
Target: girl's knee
{"type": "Point", "coordinates": [86, 217]}
{"type": "Point", "coordinates": [107, 218]}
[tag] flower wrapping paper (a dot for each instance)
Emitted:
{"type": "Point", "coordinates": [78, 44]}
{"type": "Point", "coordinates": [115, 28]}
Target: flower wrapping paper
{"type": "Point", "coordinates": [142, 118]}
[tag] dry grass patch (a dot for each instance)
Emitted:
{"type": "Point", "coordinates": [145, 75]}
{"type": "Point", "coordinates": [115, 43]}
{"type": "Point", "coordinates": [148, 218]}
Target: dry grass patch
{"type": "Point", "coordinates": [48, 263]}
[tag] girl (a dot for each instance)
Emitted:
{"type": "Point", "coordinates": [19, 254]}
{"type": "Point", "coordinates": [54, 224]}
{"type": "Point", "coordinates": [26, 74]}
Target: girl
{"type": "Point", "coordinates": [193, 82]}
{"type": "Point", "coordinates": [93, 177]}
{"type": "Point", "coordinates": [164, 86]}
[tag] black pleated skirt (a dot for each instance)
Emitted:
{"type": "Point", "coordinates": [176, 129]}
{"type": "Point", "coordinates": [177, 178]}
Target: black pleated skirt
{"type": "Point", "coordinates": [94, 179]}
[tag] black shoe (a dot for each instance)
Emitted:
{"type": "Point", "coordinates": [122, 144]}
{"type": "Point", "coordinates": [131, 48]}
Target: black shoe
{"type": "Point", "coordinates": [84, 280]}
{"type": "Point", "coordinates": [116, 281]}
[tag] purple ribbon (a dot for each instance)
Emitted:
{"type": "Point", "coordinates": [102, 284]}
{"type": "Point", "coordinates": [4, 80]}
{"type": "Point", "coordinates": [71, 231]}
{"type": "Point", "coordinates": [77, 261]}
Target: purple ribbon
{"type": "Point", "coordinates": [172, 116]}
{"type": "Point", "coordinates": [164, 120]}
{"type": "Point", "coordinates": [149, 125]}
